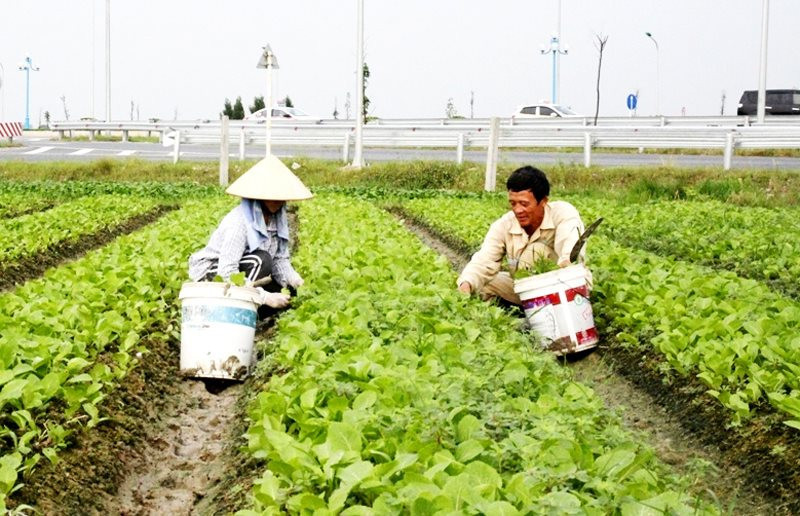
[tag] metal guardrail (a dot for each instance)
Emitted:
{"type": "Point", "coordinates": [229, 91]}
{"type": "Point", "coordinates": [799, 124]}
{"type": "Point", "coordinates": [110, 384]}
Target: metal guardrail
{"type": "Point", "coordinates": [725, 133]}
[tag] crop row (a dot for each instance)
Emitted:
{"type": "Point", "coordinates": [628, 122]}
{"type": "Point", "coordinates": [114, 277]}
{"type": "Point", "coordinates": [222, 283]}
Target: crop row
{"type": "Point", "coordinates": [15, 204]}
{"type": "Point", "coordinates": [65, 189]}
{"type": "Point", "coordinates": [734, 334]}
{"type": "Point", "coordinates": [755, 243]}
{"type": "Point", "coordinates": [28, 235]}
{"type": "Point", "coordinates": [399, 395]}
{"type": "Point", "coordinates": [52, 331]}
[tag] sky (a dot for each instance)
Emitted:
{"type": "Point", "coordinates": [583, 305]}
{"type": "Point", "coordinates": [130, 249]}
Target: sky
{"type": "Point", "coordinates": [180, 59]}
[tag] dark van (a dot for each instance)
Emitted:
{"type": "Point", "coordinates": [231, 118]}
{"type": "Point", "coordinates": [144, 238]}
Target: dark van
{"type": "Point", "coordinates": [778, 102]}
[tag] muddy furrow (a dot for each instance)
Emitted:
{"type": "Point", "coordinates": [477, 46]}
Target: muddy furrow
{"type": "Point", "coordinates": [671, 441]}
{"type": "Point", "coordinates": [34, 266]}
{"type": "Point", "coordinates": [181, 461]}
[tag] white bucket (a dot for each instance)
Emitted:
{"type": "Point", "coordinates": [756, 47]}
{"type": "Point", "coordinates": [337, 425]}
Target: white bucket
{"type": "Point", "coordinates": [557, 306]}
{"type": "Point", "coordinates": [218, 323]}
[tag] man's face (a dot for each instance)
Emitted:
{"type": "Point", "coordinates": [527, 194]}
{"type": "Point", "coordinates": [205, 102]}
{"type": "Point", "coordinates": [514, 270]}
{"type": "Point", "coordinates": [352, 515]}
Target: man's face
{"type": "Point", "coordinates": [528, 211]}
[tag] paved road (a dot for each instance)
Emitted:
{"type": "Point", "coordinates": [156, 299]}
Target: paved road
{"type": "Point", "coordinates": [46, 149]}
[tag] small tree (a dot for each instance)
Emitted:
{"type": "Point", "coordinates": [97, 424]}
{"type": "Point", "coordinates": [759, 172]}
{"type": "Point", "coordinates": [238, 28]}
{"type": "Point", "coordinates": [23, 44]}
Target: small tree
{"type": "Point", "coordinates": [335, 108]}
{"type": "Point", "coordinates": [450, 111]}
{"type": "Point", "coordinates": [47, 118]}
{"type": "Point", "coordinates": [228, 109]}
{"type": "Point", "coordinates": [287, 102]}
{"type": "Point", "coordinates": [722, 104]}
{"type": "Point", "coordinates": [258, 103]}
{"type": "Point", "coordinates": [238, 109]}
{"type": "Point", "coordinates": [600, 45]}
{"type": "Point", "coordinates": [365, 110]}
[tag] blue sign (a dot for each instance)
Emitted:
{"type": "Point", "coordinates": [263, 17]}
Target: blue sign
{"type": "Point", "coordinates": [632, 101]}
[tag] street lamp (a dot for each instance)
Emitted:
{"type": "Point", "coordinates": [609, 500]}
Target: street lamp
{"type": "Point", "coordinates": [556, 51]}
{"type": "Point", "coordinates": [658, 74]}
{"type": "Point", "coordinates": [27, 68]}
{"type": "Point", "coordinates": [269, 61]}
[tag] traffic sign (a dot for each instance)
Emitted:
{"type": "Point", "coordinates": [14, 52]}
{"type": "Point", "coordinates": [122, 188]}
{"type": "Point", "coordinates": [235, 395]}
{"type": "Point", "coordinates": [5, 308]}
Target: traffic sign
{"type": "Point", "coordinates": [632, 99]}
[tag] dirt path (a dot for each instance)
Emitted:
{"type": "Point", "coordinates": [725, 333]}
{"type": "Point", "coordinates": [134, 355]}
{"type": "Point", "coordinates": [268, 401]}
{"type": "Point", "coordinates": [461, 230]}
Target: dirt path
{"type": "Point", "coordinates": [672, 443]}
{"type": "Point", "coordinates": [182, 462]}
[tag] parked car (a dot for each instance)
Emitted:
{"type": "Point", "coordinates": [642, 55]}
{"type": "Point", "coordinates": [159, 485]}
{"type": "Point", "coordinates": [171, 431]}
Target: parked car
{"type": "Point", "coordinates": [283, 112]}
{"type": "Point", "coordinates": [543, 110]}
{"type": "Point", "coordinates": [778, 102]}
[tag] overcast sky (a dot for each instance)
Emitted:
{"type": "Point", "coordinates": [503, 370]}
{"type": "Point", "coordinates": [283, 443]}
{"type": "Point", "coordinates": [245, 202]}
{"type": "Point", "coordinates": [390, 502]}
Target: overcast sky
{"type": "Point", "coordinates": [184, 57]}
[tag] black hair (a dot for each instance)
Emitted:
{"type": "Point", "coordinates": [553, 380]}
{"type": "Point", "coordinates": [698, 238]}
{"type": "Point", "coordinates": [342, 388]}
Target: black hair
{"type": "Point", "coordinates": [529, 178]}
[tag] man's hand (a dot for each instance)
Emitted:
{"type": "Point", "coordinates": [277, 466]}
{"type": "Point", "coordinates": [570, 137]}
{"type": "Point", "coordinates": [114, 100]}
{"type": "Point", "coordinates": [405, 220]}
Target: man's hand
{"type": "Point", "coordinates": [465, 287]}
{"type": "Point", "coordinates": [273, 299]}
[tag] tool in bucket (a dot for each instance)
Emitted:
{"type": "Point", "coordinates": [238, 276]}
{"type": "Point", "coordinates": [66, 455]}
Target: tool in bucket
{"type": "Point", "coordinates": [576, 249]}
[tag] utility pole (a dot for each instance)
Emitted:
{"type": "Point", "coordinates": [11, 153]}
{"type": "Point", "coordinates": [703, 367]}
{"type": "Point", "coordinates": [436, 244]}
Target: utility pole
{"type": "Point", "coordinates": [358, 160]}
{"type": "Point", "coordinates": [762, 67]}
{"type": "Point", "coordinates": [108, 60]}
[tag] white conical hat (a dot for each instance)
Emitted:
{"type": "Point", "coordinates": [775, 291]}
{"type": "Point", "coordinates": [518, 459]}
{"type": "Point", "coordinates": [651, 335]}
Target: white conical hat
{"type": "Point", "coordinates": [270, 180]}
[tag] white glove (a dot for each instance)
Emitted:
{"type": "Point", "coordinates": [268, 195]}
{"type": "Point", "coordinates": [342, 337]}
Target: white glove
{"type": "Point", "coordinates": [273, 299]}
{"type": "Point", "coordinates": [295, 281]}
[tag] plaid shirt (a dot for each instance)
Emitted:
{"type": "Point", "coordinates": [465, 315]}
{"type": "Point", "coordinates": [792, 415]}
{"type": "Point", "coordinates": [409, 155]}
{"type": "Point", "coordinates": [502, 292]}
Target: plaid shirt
{"type": "Point", "coordinates": [228, 244]}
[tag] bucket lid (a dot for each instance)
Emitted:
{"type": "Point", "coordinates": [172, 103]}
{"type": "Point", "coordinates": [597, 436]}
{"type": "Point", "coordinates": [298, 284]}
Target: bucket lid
{"type": "Point", "coordinates": [570, 272]}
{"type": "Point", "coordinates": [214, 289]}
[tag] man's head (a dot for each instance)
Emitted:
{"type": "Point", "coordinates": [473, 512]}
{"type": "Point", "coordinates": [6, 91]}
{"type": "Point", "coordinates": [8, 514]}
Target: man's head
{"type": "Point", "coordinates": [528, 189]}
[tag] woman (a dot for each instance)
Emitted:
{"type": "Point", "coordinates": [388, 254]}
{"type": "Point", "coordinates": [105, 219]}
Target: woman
{"type": "Point", "coordinates": [254, 236]}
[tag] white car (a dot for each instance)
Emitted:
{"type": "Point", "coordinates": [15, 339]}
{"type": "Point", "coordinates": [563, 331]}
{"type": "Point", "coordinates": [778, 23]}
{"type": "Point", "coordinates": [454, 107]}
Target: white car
{"type": "Point", "coordinates": [543, 110]}
{"type": "Point", "coordinates": [283, 112]}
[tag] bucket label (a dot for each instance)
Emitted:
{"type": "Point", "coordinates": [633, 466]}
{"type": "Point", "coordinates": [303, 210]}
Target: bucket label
{"type": "Point", "coordinates": [218, 314]}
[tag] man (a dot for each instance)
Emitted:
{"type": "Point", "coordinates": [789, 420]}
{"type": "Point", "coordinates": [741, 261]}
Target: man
{"type": "Point", "coordinates": [533, 230]}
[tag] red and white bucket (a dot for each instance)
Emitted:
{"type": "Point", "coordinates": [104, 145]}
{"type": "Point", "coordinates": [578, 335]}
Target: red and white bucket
{"type": "Point", "coordinates": [557, 307]}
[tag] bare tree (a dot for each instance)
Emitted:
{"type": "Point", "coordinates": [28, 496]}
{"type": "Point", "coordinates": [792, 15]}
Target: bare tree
{"type": "Point", "coordinates": [64, 103]}
{"type": "Point", "coordinates": [600, 45]}
{"type": "Point", "coordinates": [722, 104]}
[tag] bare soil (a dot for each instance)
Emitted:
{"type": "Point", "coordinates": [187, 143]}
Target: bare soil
{"type": "Point", "coordinates": [695, 441]}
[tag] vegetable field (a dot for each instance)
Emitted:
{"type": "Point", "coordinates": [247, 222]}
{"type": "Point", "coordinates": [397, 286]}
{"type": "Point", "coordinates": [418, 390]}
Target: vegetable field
{"type": "Point", "coordinates": [383, 390]}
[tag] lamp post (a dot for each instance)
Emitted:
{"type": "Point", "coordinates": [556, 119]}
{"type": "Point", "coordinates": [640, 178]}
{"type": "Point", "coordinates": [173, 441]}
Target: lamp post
{"type": "Point", "coordinates": [555, 49]}
{"type": "Point", "coordinates": [27, 68]}
{"type": "Point", "coordinates": [269, 61]}
{"type": "Point", "coordinates": [658, 74]}
{"type": "Point", "coordinates": [762, 65]}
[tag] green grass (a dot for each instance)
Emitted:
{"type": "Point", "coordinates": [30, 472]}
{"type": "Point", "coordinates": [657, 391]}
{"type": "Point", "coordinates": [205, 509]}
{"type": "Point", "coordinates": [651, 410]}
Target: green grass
{"type": "Point", "coordinates": [742, 187]}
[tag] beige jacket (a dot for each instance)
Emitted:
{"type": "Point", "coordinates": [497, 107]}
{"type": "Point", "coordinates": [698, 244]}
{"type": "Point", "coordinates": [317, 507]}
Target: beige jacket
{"type": "Point", "coordinates": [560, 229]}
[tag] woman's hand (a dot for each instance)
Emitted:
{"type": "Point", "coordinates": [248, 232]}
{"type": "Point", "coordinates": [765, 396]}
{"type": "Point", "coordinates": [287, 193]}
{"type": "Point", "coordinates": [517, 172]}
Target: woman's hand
{"type": "Point", "coordinates": [295, 281]}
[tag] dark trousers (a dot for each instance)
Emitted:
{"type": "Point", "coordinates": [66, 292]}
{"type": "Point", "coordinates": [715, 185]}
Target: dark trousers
{"type": "Point", "coordinates": [255, 265]}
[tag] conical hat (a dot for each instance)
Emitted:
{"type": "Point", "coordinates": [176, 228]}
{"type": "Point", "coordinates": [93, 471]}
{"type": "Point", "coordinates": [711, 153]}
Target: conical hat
{"type": "Point", "coordinates": [270, 180]}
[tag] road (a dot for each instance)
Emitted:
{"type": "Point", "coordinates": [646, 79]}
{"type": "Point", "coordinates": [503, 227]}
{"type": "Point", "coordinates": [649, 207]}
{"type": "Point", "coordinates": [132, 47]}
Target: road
{"type": "Point", "coordinates": [35, 148]}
